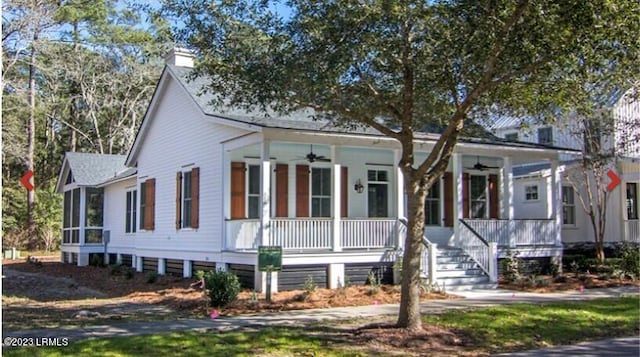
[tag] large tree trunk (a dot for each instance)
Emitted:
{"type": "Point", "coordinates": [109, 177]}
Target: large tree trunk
{"type": "Point", "coordinates": [409, 315]}
{"type": "Point", "coordinates": [31, 144]}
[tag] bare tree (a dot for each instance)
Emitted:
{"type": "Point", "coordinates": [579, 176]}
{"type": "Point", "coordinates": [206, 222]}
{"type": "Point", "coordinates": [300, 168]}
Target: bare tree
{"type": "Point", "coordinates": [606, 137]}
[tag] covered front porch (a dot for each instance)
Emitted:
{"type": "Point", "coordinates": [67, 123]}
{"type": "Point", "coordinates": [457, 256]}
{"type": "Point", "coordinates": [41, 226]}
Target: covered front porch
{"type": "Point", "coordinates": [315, 193]}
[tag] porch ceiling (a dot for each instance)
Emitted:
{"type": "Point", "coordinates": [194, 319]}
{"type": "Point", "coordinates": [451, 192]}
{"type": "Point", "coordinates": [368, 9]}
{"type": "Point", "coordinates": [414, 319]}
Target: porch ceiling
{"type": "Point", "coordinates": [287, 145]}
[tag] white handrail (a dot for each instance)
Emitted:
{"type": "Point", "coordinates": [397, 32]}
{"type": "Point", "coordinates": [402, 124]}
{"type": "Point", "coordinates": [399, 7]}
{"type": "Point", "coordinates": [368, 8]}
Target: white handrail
{"type": "Point", "coordinates": [481, 251]}
{"type": "Point", "coordinates": [428, 261]}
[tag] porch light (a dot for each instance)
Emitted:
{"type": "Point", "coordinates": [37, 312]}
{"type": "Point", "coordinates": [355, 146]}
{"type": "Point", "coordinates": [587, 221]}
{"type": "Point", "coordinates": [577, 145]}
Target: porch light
{"type": "Point", "coordinates": [358, 186]}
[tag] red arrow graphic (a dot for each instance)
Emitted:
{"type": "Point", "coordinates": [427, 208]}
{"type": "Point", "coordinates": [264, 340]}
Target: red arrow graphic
{"type": "Point", "coordinates": [25, 180]}
{"type": "Point", "coordinates": [615, 180]}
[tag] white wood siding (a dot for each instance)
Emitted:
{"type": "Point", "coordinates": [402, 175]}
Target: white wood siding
{"type": "Point", "coordinates": [115, 208]}
{"type": "Point", "coordinates": [178, 139]}
{"type": "Point", "coordinates": [582, 231]}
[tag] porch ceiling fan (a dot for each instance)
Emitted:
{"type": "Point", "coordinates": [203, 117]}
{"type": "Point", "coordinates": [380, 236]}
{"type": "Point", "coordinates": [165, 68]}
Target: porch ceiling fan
{"type": "Point", "coordinates": [480, 166]}
{"type": "Point", "coordinates": [312, 157]}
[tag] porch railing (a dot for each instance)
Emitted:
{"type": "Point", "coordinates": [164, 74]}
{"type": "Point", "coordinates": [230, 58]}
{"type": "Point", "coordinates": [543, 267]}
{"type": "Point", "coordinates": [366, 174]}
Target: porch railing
{"type": "Point", "coordinates": [368, 233]}
{"type": "Point", "coordinates": [484, 253]}
{"type": "Point", "coordinates": [297, 233]}
{"type": "Point", "coordinates": [242, 234]}
{"type": "Point", "coordinates": [517, 232]}
{"type": "Point", "coordinates": [632, 230]}
{"type": "Point", "coordinates": [312, 233]}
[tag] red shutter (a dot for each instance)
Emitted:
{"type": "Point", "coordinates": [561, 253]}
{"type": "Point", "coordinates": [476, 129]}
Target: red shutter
{"type": "Point", "coordinates": [344, 192]}
{"type": "Point", "coordinates": [178, 200]}
{"type": "Point", "coordinates": [150, 204]}
{"type": "Point", "coordinates": [493, 196]}
{"type": "Point", "coordinates": [448, 199]}
{"type": "Point", "coordinates": [302, 191]}
{"type": "Point", "coordinates": [465, 195]}
{"type": "Point", "coordinates": [195, 197]}
{"type": "Point", "coordinates": [237, 190]}
{"type": "Point", "coordinates": [282, 190]}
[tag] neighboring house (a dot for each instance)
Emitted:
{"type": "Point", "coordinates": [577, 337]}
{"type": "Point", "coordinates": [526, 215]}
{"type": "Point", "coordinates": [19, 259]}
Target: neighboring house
{"type": "Point", "coordinates": [202, 188]}
{"type": "Point", "coordinates": [531, 180]}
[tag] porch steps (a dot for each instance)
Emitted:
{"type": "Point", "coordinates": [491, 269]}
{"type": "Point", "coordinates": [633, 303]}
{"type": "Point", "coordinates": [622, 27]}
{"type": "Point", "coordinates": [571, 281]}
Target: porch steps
{"type": "Point", "coordinates": [458, 272]}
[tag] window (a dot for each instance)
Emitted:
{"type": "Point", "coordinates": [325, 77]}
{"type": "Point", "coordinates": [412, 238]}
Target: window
{"type": "Point", "coordinates": [253, 191]}
{"type": "Point", "coordinates": [186, 199]}
{"type": "Point", "coordinates": [320, 192]}
{"type": "Point", "coordinates": [93, 212]}
{"type": "Point", "coordinates": [545, 136]}
{"type": "Point", "coordinates": [71, 217]}
{"type": "Point", "coordinates": [187, 187]}
{"type": "Point", "coordinates": [69, 178]}
{"type": "Point", "coordinates": [568, 206]}
{"type": "Point", "coordinates": [478, 189]}
{"type": "Point", "coordinates": [632, 200]}
{"type": "Point", "coordinates": [531, 193]}
{"type": "Point", "coordinates": [432, 205]}
{"type": "Point", "coordinates": [131, 210]}
{"type": "Point", "coordinates": [511, 137]}
{"type": "Point", "coordinates": [378, 193]}
{"type": "Point", "coordinates": [93, 215]}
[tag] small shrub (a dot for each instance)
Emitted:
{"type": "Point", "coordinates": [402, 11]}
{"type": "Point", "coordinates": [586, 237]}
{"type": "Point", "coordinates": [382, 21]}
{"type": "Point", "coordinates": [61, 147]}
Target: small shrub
{"type": "Point", "coordinates": [222, 287]}
{"type": "Point", "coordinates": [574, 263]}
{"type": "Point", "coordinates": [341, 290]}
{"type": "Point", "coordinates": [554, 269]}
{"type": "Point", "coordinates": [117, 269]}
{"type": "Point", "coordinates": [512, 267]}
{"type": "Point", "coordinates": [254, 299]}
{"type": "Point", "coordinates": [630, 261]}
{"type": "Point", "coordinates": [152, 277]}
{"type": "Point", "coordinates": [605, 276]}
{"type": "Point", "coordinates": [199, 274]}
{"type": "Point", "coordinates": [542, 282]}
{"type": "Point", "coordinates": [574, 267]}
{"type": "Point", "coordinates": [374, 283]}
{"type": "Point", "coordinates": [96, 260]}
{"type": "Point", "coordinates": [561, 279]}
{"type": "Point", "coordinates": [309, 286]}
{"type": "Point", "coordinates": [129, 273]}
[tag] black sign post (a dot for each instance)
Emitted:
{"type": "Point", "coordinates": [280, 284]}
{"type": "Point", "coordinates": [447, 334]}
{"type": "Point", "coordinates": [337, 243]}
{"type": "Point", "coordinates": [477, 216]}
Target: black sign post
{"type": "Point", "coordinates": [269, 260]}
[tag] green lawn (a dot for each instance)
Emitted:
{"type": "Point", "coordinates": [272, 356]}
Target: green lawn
{"type": "Point", "coordinates": [507, 328]}
{"type": "Point", "coordinates": [528, 326]}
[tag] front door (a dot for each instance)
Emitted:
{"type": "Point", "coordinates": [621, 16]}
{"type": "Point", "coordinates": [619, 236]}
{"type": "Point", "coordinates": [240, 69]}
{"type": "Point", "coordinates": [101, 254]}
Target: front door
{"type": "Point", "coordinates": [478, 190]}
{"type": "Point", "coordinates": [378, 193]}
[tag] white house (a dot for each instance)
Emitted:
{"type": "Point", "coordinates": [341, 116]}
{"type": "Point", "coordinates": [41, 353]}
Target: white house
{"type": "Point", "coordinates": [203, 187]}
{"type": "Point", "coordinates": [531, 180]}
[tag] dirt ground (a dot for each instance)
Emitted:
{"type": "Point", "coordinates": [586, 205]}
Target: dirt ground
{"type": "Point", "coordinates": [567, 281]}
{"type": "Point", "coordinates": [51, 294]}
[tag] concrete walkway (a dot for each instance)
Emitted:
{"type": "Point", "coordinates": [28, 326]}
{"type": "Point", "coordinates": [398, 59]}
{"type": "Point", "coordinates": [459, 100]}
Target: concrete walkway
{"type": "Point", "coordinates": [619, 347]}
{"type": "Point", "coordinates": [304, 317]}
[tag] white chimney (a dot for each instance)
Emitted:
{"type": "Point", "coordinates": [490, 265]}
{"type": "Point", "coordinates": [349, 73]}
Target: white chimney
{"type": "Point", "coordinates": [180, 57]}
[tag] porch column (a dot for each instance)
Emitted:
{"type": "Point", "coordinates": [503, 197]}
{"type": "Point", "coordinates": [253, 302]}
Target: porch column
{"type": "Point", "coordinates": [507, 199]}
{"type": "Point", "coordinates": [458, 206]}
{"type": "Point", "coordinates": [226, 198]}
{"type": "Point", "coordinates": [162, 266]}
{"type": "Point", "coordinates": [265, 193]}
{"type": "Point", "coordinates": [186, 268]}
{"type": "Point", "coordinates": [556, 204]}
{"type": "Point", "coordinates": [337, 199]}
{"type": "Point", "coordinates": [83, 216]}
{"type": "Point", "coordinates": [400, 205]}
{"type": "Point", "coordinates": [138, 264]}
